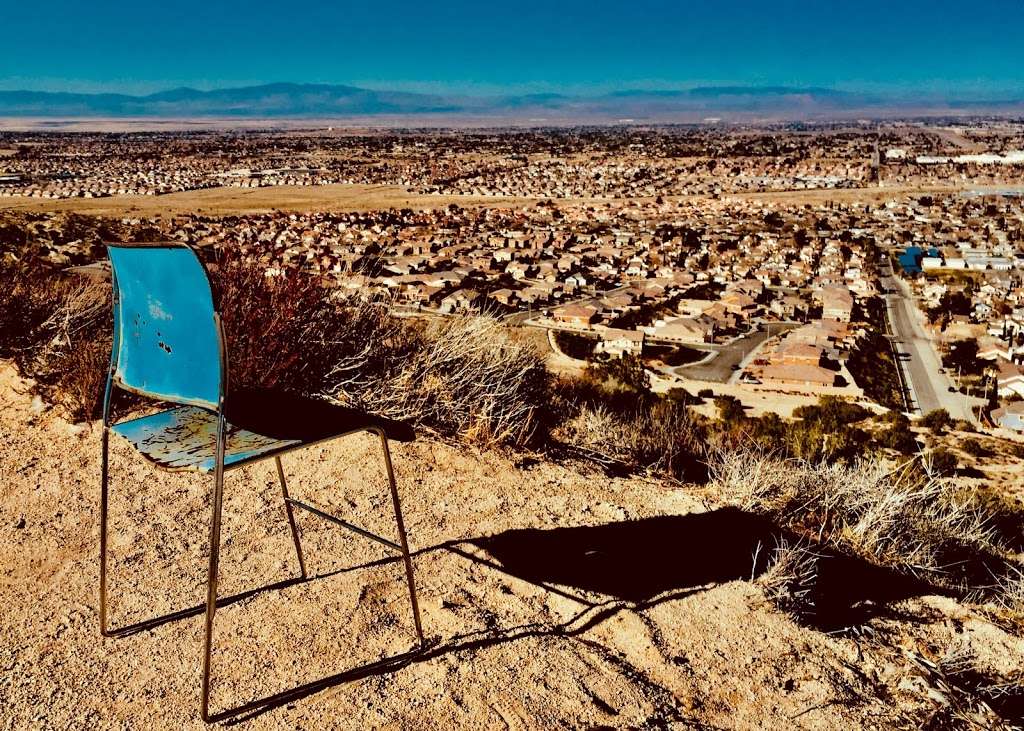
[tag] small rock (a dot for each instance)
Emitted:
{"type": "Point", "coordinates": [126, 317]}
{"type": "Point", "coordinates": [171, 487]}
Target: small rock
{"type": "Point", "coordinates": [76, 430]}
{"type": "Point", "coordinates": [21, 523]}
{"type": "Point", "coordinates": [37, 407]}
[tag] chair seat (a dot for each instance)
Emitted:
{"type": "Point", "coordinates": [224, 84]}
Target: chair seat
{"type": "Point", "coordinates": [260, 423]}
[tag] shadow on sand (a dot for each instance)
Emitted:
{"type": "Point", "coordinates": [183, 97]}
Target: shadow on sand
{"type": "Point", "coordinates": [635, 561]}
{"type": "Point", "coordinates": [625, 566]}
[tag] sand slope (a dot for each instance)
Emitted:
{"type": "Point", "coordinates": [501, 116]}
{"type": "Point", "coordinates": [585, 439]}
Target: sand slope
{"type": "Point", "coordinates": [570, 638]}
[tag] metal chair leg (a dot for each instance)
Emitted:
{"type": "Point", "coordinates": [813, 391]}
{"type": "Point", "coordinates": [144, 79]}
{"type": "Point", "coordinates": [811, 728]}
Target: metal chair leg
{"type": "Point", "coordinates": [403, 539]}
{"type": "Point", "coordinates": [104, 479]}
{"type": "Point", "coordinates": [291, 516]}
{"type": "Point", "coordinates": [211, 579]}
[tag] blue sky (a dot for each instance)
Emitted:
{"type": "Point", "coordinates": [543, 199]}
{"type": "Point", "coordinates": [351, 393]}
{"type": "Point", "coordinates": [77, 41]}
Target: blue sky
{"type": "Point", "coordinates": [972, 48]}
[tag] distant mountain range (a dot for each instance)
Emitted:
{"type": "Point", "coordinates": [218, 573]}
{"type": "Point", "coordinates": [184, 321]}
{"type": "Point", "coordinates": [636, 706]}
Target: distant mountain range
{"type": "Point", "coordinates": [285, 100]}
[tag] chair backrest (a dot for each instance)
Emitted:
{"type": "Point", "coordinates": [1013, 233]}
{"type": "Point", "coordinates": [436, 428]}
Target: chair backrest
{"type": "Point", "coordinates": [167, 337]}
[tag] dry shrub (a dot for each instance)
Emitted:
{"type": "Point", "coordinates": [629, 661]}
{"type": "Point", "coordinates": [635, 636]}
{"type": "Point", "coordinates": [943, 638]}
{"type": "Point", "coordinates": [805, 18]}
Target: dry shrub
{"type": "Point", "coordinates": [465, 377]}
{"type": "Point", "coordinates": [899, 518]}
{"type": "Point", "coordinates": [281, 331]}
{"type": "Point", "coordinates": [968, 695]}
{"type": "Point", "coordinates": [74, 363]}
{"type": "Point", "coordinates": [29, 295]}
{"type": "Point", "coordinates": [56, 327]}
{"type": "Point", "coordinates": [468, 376]}
{"type": "Point", "coordinates": [1010, 592]}
{"type": "Point", "coordinates": [658, 436]}
{"type": "Point", "coordinates": [790, 578]}
{"type": "Point", "coordinates": [755, 480]}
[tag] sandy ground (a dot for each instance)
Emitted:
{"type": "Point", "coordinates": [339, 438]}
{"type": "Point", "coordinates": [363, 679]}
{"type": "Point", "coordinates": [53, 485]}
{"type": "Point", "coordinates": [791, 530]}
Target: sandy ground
{"type": "Point", "coordinates": [345, 197]}
{"type": "Point", "coordinates": [225, 201]}
{"type": "Point", "coordinates": [553, 597]}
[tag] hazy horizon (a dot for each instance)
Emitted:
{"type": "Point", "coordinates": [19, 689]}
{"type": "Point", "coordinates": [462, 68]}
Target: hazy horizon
{"type": "Point", "coordinates": [966, 92]}
{"type": "Point", "coordinates": [941, 48]}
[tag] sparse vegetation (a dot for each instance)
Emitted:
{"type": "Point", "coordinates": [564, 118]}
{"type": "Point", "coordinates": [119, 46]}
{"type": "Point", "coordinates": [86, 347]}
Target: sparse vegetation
{"type": "Point", "coordinates": [975, 448]}
{"type": "Point", "coordinates": [939, 462]}
{"type": "Point", "coordinates": [822, 432]}
{"type": "Point", "coordinates": [464, 378]}
{"type": "Point", "coordinates": [969, 694]}
{"type": "Point", "coordinates": [789, 580]}
{"type": "Point", "coordinates": [627, 372]}
{"type": "Point", "coordinates": [902, 518]}
{"type": "Point", "coordinates": [625, 429]}
{"type": "Point", "coordinates": [896, 434]}
{"type": "Point", "coordinates": [575, 346]}
{"type": "Point", "coordinates": [936, 420]}
{"type": "Point", "coordinates": [56, 328]}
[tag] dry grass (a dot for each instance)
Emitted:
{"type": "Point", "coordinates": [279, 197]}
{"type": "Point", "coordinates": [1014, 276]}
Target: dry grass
{"type": "Point", "coordinates": [968, 695]}
{"type": "Point", "coordinates": [936, 529]}
{"type": "Point", "coordinates": [465, 376]}
{"type": "Point", "coordinates": [469, 378]}
{"type": "Point", "coordinates": [76, 359]}
{"type": "Point", "coordinates": [237, 201]}
{"type": "Point", "coordinates": [790, 578]}
{"type": "Point", "coordinates": [56, 328]}
{"type": "Point", "coordinates": [657, 436]}
{"type": "Point", "coordinates": [1010, 592]}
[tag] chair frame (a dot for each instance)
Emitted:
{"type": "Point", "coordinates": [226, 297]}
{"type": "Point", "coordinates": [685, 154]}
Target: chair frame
{"type": "Point", "coordinates": [401, 547]}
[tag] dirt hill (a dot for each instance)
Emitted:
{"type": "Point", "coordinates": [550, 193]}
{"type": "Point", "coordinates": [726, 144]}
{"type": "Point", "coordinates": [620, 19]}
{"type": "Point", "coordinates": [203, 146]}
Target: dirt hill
{"type": "Point", "coordinates": [553, 596]}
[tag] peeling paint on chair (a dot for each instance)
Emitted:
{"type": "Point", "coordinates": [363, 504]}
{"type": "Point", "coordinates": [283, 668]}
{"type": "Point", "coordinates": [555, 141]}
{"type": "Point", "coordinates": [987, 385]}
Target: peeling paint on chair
{"type": "Point", "coordinates": [185, 438]}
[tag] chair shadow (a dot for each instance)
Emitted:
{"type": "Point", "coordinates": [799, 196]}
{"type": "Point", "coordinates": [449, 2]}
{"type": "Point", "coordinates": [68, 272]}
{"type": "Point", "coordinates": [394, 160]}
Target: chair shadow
{"type": "Point", "coordinates": [635, 561]}
{"type": "Point", "coordinates": [631, 566]}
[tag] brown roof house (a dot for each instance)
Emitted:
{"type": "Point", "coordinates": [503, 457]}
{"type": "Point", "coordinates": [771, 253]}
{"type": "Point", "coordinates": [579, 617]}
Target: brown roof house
{"type": "Point", "coordinates": [616, 342]}
{"type": "Point", "coordinates": [836, 303]}
{"type": "Point", "coordinates": [577, 315]}
{"type": "Point", "coordinates": [797, 375]}
{"type": "Point", "coordinates": [686, 330]}
{"type": "Point", "coordinates": [461, 300]}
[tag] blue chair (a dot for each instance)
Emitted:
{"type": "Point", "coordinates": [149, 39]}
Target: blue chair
{"type": "Point", "coordinates": [168, 344]}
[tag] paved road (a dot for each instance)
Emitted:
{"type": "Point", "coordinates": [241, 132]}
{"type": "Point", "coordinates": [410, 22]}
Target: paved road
{"type": "Point", "coordinates": [929, 389]}
{"type": "Point", "coordinates": [720, 368]}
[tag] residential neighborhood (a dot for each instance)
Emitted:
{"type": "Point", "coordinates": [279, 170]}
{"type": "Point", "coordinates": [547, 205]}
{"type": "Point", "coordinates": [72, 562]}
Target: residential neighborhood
{"type": "Point", "coordinates": [665, 244]}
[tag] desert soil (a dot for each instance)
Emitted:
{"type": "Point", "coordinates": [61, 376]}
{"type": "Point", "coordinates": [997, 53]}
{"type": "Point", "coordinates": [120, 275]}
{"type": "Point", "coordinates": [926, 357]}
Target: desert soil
{"type": "Point", "coordinates": [553, 596]}
{"type": "Point", "coordinates": [346, 197]}
{"type": "Point", "coordinates": [337, 197]}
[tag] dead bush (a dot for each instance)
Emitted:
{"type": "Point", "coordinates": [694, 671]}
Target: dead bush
{"type": "Point", "coordinates": [30, 294]}
{"type": "Point", "coordinates": [466, 377]}
{"type": "Point", "coordinates": [789, 581]}
{"type": "Point", "coordinates": [896, 517]}
{"type": "Point", "coordinates": [656, 435]}
{"type": "Point", "coordinates": [967, 694]}
{"type": "Point", "coordinates": [282, 331]}
{"type": "Point", "coordinates": [1010, 591]}
{"type": "Point", "coordinates": [56, 327]}
{"type": "Point", "coordinates": [755, 480]}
